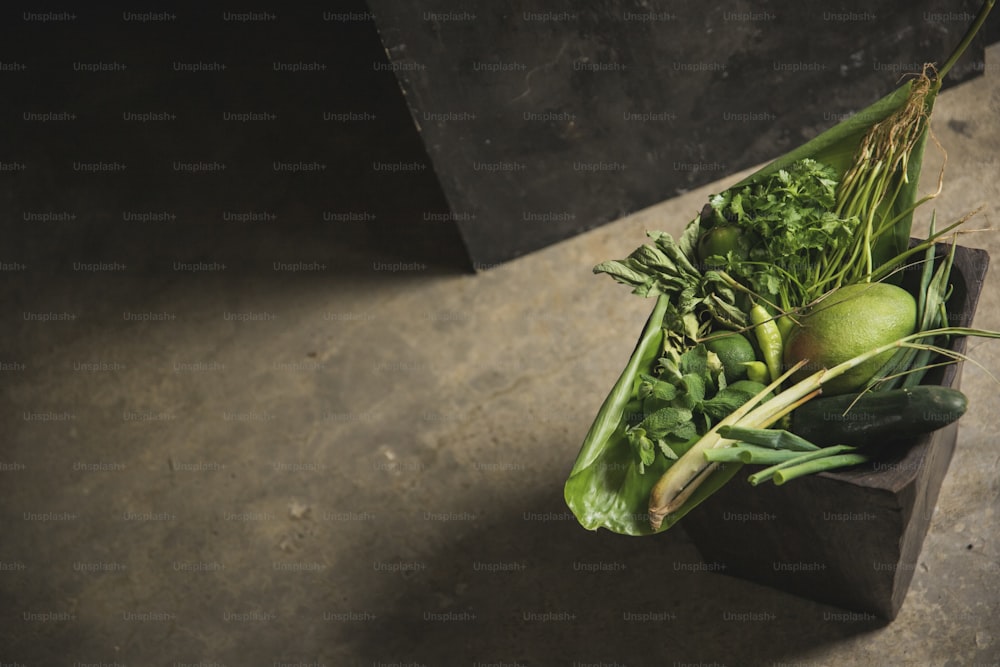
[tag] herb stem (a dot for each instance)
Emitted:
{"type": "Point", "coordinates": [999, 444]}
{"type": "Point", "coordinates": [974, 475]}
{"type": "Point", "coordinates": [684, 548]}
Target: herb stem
{"type": "Point", "coordinates": [966, 40]}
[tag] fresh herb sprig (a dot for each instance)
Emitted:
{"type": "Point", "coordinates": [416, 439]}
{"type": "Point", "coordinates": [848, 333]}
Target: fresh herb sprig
{"type": "Point", "coordinates": [675, 409]}
{"type": "Point", "coordinates": [698, 301]}
{"type": "Point", "coordinates": [788, 222]}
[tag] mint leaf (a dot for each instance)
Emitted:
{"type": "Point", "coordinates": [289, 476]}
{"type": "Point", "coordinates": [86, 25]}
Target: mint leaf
{"type": "Point", "coordinates": [664, 421]}
{"type": "Point", "coordinates": [726, 401]}
{"type": "Point", "coordinates": [695, 361]}
{"type": "Point", "coordinates": [695, 386]}
{"type": "Point", "coordinates": [721, 405]}
{"type": "Point", "coordinates": [642, 446]}
{"type": "Point", "coordinates": [667, 451]}
{"type": "Point", "coordinates": [650, 386]}
{"type": "Point", "coordinates": [685, 431]}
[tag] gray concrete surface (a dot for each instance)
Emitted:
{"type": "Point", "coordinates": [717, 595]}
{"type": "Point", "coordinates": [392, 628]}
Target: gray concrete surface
{"type": "Point", "coordinates": [373, 474]}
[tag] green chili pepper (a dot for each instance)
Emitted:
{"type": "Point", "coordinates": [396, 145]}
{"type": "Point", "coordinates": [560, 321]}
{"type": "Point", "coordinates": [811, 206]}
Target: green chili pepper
{"type": "Point", "coordinates": [768, 338]}
{"type": "Point", "coordinates": [757, 371]}
{"type": "Point", "coordinates": [785, 326]}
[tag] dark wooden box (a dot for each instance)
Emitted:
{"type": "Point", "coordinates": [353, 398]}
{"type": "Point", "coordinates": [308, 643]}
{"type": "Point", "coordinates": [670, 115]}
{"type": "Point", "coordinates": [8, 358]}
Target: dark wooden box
{"type": "Point", "coordinates": [852, 538]}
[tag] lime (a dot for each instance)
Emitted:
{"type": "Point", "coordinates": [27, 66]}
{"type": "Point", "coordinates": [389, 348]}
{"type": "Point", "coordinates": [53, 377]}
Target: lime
{"type": "Point", "coordinates": [715, 245]}
{"type": "Point", "coordinates": [719, 241]}
{"type": "Point", "coordinates": [733, 350]}
{"type": "Point", "coordinates": [849, 322]}
{"type": "Point", "coordinates": [751, 387]}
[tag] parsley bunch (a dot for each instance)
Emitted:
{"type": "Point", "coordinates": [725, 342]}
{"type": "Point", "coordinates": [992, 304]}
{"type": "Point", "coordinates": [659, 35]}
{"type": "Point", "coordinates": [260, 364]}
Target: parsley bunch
{"type": "Point", "coordinates": [789, 231]}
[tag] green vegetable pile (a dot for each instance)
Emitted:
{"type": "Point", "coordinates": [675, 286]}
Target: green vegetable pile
{"type": "Point", "coordinates": [732, 361]}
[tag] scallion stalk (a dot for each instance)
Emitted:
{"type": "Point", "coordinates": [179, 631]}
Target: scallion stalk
{"type": "Point", "coordinates": [824, 464]}
{"type": "Point", "coordinates": [801, 459]}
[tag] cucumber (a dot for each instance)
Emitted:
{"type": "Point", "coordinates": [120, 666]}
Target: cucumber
{"type": "Point", "coordinates": [878, 416]}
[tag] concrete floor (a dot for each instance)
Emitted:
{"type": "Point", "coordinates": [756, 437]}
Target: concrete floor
{"type": "Point", "coordinates": [364, 466]}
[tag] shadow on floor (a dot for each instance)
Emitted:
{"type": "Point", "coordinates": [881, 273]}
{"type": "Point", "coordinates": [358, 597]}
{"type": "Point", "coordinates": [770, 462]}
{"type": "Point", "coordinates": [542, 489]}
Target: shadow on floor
{"type": "Point", "coordinates": [309, 177]}
{"type": "Point", "coordinates": [529, 586]}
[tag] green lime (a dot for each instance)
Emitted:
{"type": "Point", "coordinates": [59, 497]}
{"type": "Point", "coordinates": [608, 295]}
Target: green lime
{"type": "Point", "coordinates": [849, 322]}
{"type": "Point", "coordinates": [750, 387]}
{"type": "Point", "coordinates": [719, 241]}
{"type": "Point", "coordinates": [733, 350]}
